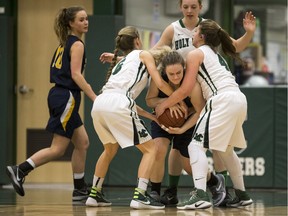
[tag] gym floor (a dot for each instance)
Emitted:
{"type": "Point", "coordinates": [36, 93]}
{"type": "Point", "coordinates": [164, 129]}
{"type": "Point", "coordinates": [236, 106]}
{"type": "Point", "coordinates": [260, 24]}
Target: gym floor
{"type": "Point", "coordinates": [55, 199]}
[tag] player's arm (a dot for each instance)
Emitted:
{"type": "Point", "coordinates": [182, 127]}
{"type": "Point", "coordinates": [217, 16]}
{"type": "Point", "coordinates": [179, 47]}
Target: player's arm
{"type": "Point", "coordinates": [198, 103]}
{"type": "Point", "coordinates": [193, 62]}
{"type": "Point", "coordinates": [166, 37]}
{"type": "Point", "coordinates": [149, 61]}
{"type": "Point", "coordinates": [146, 114]}
{"type": "Point", "coordinates": [152, 99]}
{"type": "Point", "coordinates": [77, 51]}
{"type": "Point", "coordinates": [249, 24]}
{"type": "Point", "coordinates": [108, 57]}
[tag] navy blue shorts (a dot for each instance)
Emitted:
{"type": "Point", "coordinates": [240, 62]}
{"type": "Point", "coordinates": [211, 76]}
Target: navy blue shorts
{"type": "Point", "coordinates": [63, 109]}
{"type": "Point", "coordinates": [180, 141]}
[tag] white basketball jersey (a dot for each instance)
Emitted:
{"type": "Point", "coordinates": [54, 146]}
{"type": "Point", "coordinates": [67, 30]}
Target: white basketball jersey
{"type": "Point", "coordinates": [129, 75]}
{"type": "Point", "coordinates": [182, 39]}
{"type": "Point", "coordinates": [214, 74]}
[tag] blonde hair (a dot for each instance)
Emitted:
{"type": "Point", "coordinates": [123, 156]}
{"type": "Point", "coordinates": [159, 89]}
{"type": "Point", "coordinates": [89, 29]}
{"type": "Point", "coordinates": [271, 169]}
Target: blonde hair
{"type": "Point", "coordinates": [159, 52]}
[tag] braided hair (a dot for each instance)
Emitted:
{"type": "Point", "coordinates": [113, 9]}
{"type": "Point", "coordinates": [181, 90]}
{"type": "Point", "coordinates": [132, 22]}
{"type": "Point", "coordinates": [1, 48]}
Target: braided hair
{"type": "Point", "coordinates": [124, 42]}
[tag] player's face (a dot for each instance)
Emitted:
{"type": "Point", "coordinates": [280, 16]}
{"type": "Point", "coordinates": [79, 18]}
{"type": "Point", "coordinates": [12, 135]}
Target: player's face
{"type": "Point", "coordinates": [175, 73]}
{"type": "Point", "coordinates": [80, 23]}
{"type": "Point", "coordinates": [197, 37]}
{"type": "Point", "coordinates": [190, 8]}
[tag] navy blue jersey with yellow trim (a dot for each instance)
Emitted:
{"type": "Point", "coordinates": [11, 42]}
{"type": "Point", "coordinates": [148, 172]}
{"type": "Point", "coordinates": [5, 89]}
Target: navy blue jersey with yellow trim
{"type": "Point", "coordinates": [60, 69]}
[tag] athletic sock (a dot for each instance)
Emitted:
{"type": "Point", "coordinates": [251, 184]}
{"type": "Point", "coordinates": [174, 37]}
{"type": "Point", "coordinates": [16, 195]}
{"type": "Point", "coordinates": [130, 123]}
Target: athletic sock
{"type": "Point", "coordinates": [156, 187]}
{"type": "Point", "coordinates": [143, 184]}
{"type": "Point", "coordinates": [98, 182]}
{"type": "Point", "coordinates": [212, 181]}
{"type": "Point", "coordinates": [173, 181]}
{"type": "Point", "coordinates": [78, 179]}
{"type": "Point", "coordinates": [26, 167]}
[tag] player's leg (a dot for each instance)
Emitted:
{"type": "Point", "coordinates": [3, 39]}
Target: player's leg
{"type": "Point", "coordinates": [169, 196]}
{"type": "Point", "coordinates": [96, 197]}
{"type": "Point", "coordinates": [234, 168]}
{"type": "Point", "coordinates": [158, 169]}
{"type": "Point", "coordinates": [78, 159]}
{"type": "Point", "coordinates": [175, 166]}
{"type": "Point", "coordinates": [220, 169]}
{"type": "Point", "coordinates": [199, 163]}
{"type": "Point", "coordinates": [17, 173]}
{"type": "Point", "coordinates": [141, 199]}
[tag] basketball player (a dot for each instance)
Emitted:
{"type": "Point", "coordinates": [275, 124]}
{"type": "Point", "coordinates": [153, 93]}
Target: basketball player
{"type": "Point", "coordinates": [219, 127]}
{"type": "Point", "coordinates": [115, 115]}
{"type": "Point", "coordinates": [64, 100]}
{"type": "Point", "coordinates": [172, 71]}
{"type": "Point", "coordinates": [178, 35]}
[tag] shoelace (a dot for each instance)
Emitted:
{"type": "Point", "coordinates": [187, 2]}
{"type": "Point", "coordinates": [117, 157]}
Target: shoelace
{"type": "Point", "coordinates": [193, 194]}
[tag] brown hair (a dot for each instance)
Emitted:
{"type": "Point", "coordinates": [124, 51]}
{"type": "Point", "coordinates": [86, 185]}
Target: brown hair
{"type": "Point", "coordinates": [61, 25]}
{"type": "Point", "coordinates": [171, 58]}
{"type": "Point", "coordinates": [215, 36]}
{"type": "Point", "coordinates": [181, 2]}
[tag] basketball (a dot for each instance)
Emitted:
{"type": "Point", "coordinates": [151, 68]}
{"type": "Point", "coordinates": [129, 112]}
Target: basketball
{"type": "Point", "coordinates": [168, 121]}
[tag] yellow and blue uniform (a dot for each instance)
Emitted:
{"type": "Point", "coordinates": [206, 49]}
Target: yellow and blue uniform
{"type": "Point", "coordinates": [64, 98]}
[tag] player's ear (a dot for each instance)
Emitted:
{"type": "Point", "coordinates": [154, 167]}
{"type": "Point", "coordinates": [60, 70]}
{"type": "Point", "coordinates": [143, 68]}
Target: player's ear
{"type": "Point", "coordinates": [137, 43]}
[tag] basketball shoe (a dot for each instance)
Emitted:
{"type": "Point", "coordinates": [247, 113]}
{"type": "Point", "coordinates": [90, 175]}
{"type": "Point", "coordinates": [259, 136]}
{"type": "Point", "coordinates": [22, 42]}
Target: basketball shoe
{"type": "Point", "coordinates": [199, 200]}
{"type": "Point", "coordinates": [80, 194]}
{"type": "Point", "coordinates": [218, 191]}
{"type": "Point", "coordinates": [228, 198]}
{"type": "Point", "coordinates": [155, 195]}
{"type": "Point", "coordinates": [17, 178]}
{"type": "Point", "coordinates": [169, 198]}
{"type": "Point", "coordinates": [96, 198]}
{"type": "Point", "coordinates": [241, 199]}
{"type": "Point", "coordinates": [142, 200]}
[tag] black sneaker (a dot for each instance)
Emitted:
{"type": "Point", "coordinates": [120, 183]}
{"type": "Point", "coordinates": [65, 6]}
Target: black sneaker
{"type": "Point", "coordinates": [17, 178]}
{"type": "Point", "coordinates": [169, 198]}
{"type": "Point", "coordinates": [155, 195]}
{"type": "Point", "coordinates": [241, 199]}
{"type": "Point", "coordinates": [218, 191]}
{"type": "Point", "coordinates": [144, 201]}
{"type": "Point", "coordinates": [96, 198]}
{"type": "Point", "coordinates": [228, 198]}
{"type": "Point", "coordinates": [80, 194]}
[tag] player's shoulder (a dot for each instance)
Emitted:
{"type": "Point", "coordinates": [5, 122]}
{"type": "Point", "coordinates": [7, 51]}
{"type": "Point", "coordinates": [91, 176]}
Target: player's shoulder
{"type": "Point", "coordinates": [195, 52]}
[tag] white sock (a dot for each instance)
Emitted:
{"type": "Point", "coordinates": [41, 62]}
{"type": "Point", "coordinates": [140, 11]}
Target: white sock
{"type": "Point", "coordinates": [143, 184]}
{"type": "Point", "coordinates": [30, 161]}
{"type": "Point", "coordinates": [97, 182]}
{"type": "Point", "coordinates": [78, 175]}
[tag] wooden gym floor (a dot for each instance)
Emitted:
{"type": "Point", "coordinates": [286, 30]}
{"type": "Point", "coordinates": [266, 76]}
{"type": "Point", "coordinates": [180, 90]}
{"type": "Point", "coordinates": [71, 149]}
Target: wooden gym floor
{"type": "Point", "coordinates": [55, 199]}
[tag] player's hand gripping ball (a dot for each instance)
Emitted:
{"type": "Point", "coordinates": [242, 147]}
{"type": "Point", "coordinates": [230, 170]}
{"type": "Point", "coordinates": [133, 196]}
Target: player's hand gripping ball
{"type": "Point", "coordinates": [168, 121]}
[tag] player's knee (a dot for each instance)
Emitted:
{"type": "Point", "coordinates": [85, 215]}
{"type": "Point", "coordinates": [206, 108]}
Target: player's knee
{"type": "Point", "coordinates": [160, 153]}
{"type": "Point", "coordinates": [86, 144]}
{"type": "Point", "coordinates": [83, 145]}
